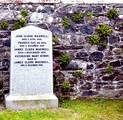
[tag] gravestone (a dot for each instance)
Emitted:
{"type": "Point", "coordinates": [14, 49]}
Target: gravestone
{"type": "Point", "coordinates": [31, 71]}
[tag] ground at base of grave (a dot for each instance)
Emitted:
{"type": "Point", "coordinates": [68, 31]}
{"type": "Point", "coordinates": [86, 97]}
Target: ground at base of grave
{"type": "Point", "coordinates": [94, 109]}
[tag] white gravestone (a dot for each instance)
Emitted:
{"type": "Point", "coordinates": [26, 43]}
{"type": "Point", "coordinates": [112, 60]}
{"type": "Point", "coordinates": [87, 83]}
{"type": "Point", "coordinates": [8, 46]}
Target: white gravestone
{"type": "Point", "coordinates": [31, 71]}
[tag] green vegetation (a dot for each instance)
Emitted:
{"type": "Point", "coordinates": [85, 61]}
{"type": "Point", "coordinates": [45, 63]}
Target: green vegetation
{"type": "Point", "coordinates": [119, 24]}
{"type": "Point", "coordinates": [77, 17]}
{"type": "Point", "coordinates": [4, 25]}
{"type": "Point", "coordinates": [109, 69]}
{"type": "Point", "coordinates": [95, 109]}
{"type": "Point", "coordinates": [66, 85]}
{"type": "Point", "coordinates": [65, 59]}
{"type": "Point", "coordinates": [103, 44]}
{"type": "Point", "coordinates": [78, 73]}
{"type": "Point", "coordinates": [112, 14]}
{"type": "Point", "coordinates": [21, 23]}
{"type": "Point", "coordinates": [24, 12]}
{"type": "Point", "coordinates": [104, 30]}
{"type": "Point", "coordinates": [90, 15]}
{"type": "Point", "coordinates": [16, 25]}
{"type": "Point", "coordinates": [94, 39]}
{"type": "Point", "coordinates": [55, 39]}
{"type": "Point", "coordinates": [66, 23]}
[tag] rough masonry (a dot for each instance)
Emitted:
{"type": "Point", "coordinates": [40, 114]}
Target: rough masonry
{"type": "Point", "coordinates": [93, 70]}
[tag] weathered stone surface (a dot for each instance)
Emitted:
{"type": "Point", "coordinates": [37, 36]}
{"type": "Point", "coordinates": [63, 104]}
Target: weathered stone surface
{"type": "Point", "coordinates": [29, 1]}
{"type": "Point", "coordinates": [115, 64]}
{"type": "Point", "coordinates": [110, 93]}
{"type": "Point", "coordinates": [57, 53]}
{"type": "Point", "coordinates": [101, 48]}
{"type": "Point", "coordinates": [96, 56]}
{"type": "Point", "coordinates": [88, 77]}
{"type": "Point", "coordinates": [4, 34]}
{"type": "Point", "coordinates": [59, 77]}
{"type": "Point", "coordinates": [113, 39]}
{"type": "Point", "coordinates": [73, 80]}
{"type": "Point", "coordinates": [6, 43]}
{"type": "Point", "coordinates": [108, 87]}
{"type": "Point", "coordinates": [56, 66]}
{"type": "Point", "coordinates": [89, 93]}
{"type": "Point", "coordinates": [87, 86]}
{"type": "Point", "coordinates": [119, 77]}
{"type": "Point", "coordinates": [120, 86]}
{"type": "Point", "coordinates": [6, 63]}
{"type": "Point", "coordinates": [43, 26]}
{"type": "Point", "coordinates": [117, 50]}
{"type": "Point", "coordinates": [91, 59]}
{"type": "Point", "coordinates": [56, 31]}
{"type": "Point", "coordinates": [102, 65]}
{"type": "Point", "coordinates": [90, 66]}
{"type": "Point", "coordinates": [97, 10]}
{"type": "Point", "coordinates": [1, 84]}
{"type": "Point", "coordinates": [108, 77]}
{"type": "Point", "coordinates": [97, 87]}
{"type": "Point", "coordinates": [102, 19]}
{"type": "Point", "coordinates": [72, 65]}
{"type": "Point", "coordinates": [86, 29]}
{"type": "Point", "coordinates": [81, 54]}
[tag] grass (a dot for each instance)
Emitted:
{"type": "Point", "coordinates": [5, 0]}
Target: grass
{"type": "Point", "coordinates": [98, 109]}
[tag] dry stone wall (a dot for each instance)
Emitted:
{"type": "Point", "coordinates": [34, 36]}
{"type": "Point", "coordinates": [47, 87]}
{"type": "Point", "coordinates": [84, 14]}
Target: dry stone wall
{"type": "Point", "coordinates": [82, 68]}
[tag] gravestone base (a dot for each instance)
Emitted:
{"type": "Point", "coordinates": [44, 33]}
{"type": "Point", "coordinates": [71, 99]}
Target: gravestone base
{"type": "Point", "coordinates": [31, 102]}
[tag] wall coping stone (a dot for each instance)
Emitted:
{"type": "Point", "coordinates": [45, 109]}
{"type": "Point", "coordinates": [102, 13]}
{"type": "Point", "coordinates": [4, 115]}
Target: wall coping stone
{"type": "Point", "coordinates": [64, 1]}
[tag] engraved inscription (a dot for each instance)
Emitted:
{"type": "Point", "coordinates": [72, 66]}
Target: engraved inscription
{"type": "Point", "coordinates": [30, 50]}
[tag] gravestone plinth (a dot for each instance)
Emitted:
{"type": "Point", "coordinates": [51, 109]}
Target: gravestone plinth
{"type": "Point", "coordinates": [31, 70]}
